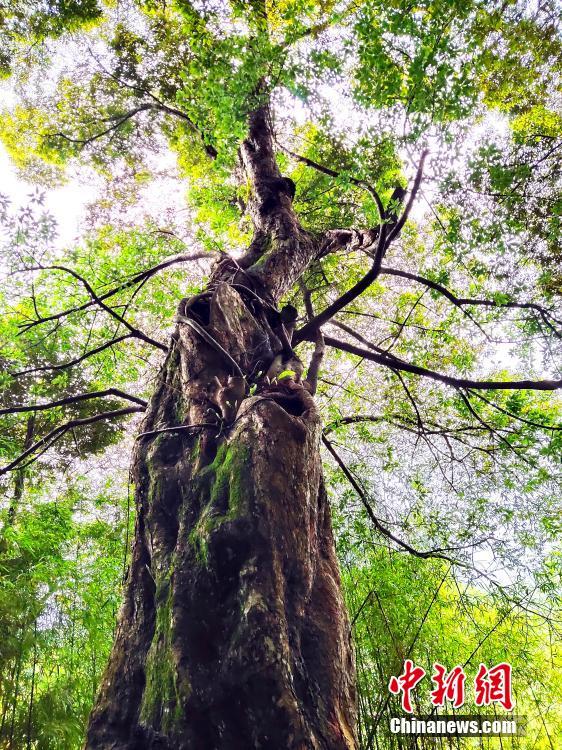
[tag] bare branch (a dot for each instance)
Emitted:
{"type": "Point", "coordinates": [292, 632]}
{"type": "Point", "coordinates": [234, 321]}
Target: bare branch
{"type": "Point", "coordinates": [370, 512]}
{"type": "Point", "coordinates": [399, 364]}
{"type": "Point", "coordinates": [402, 325]}
{"type": "Point", "coordinates": [134, 279]}
{"type": "Point", "coordinates": [415, 187]}
{"type": "Point", "coordinates": [491, 430]}
{"type": "Point", "coordinates": [97, 300]}
{"type": "Point", "coordinates": [461, 301]}
{"type": "Point", "coordinates": [347, 297]}
{"type": "Point", "coordinates": [512, 415]}
{"type": "Point", "coordinates": [54, 435]}
{"type": "Point", "coordinates": [354, 419]}
{"type": "Point", "coordinates": [389, 356]}
{"type": "Point", "coordinates": [116, 120]}
{"type": "Point", "coordinates": [334, 173]}
{"type": "Point", "coordinates": [399, 323]}
{"type": "Point", "coordinates": [363, 340]}
{"type": "Point", "coordinates": [211, 151]}
{"type": "Point", "coordinates": [74, 400]}
{"type": "Point", "coordinates": [411, 399]}
{"type": "Point", "coordinates": [386, 234]}
{"type": "Point", "coordinates": [397, 420]}
{"type": "Point", "coordinates": [76, 360]}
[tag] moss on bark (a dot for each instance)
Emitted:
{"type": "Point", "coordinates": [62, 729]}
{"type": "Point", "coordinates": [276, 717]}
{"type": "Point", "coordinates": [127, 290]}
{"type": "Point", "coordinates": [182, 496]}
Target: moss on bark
{"type": "Point", "coordinates": [226, 483]}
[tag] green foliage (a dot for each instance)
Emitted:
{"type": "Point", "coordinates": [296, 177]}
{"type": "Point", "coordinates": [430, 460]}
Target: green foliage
{"type": "Point", "coordinates": [413, 609]}
{"type": "Point", "coordinates": [25, 22]}
{"type": "Point", "coordinates": [59, 592]}
{"type": "Point", "coordinates": [419, 57]}
{"type": "Point", "coordinates": [286, 374]}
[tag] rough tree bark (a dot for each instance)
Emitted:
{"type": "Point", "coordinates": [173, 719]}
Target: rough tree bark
{"type": "Point", "coordinates": [233, 633]}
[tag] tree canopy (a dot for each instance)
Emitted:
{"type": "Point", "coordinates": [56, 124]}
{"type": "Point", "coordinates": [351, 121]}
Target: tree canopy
{"type": "Point", "coordinates": [423, 141]}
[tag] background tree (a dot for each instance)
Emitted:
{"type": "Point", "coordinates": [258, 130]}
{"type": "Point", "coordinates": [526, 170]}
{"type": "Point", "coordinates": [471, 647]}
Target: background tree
{"type": "Point", "coordinates": [373, 189]}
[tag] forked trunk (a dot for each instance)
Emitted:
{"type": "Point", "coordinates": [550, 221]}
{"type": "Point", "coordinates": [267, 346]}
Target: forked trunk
{"type": "Point", "coordinates": [233, 633]}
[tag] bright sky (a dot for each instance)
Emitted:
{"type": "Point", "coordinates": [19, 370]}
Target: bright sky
{"type": "Point", "coordinates": [67, 203]}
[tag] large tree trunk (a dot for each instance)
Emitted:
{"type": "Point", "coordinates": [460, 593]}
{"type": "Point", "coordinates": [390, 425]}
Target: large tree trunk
{"type": "Point", "coordinates": [233, 633]}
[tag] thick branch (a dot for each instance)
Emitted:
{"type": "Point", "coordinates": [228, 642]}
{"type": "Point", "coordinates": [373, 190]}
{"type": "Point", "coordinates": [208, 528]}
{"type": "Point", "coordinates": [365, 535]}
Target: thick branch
{"type": "Point", "coordinates": [351, 294]}
{"type": "Point", "coordinates": [281, 250]}
{"type": "Point", "coordinates": [258, 158]}
{"type": "Point", "coordinates": [490, 385]}
{"type": "Point", "coordinates": [315, 362]}
{"type": "Point", "coordinates": [386, 235]}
